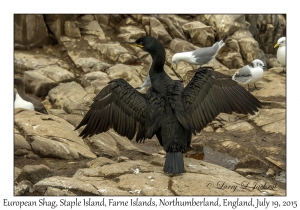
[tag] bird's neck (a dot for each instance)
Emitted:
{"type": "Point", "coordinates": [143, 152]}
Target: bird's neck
{"type": "Point", "coordinates": [21, 91]}
{"type": "Point", "coordinates": [158, 62]}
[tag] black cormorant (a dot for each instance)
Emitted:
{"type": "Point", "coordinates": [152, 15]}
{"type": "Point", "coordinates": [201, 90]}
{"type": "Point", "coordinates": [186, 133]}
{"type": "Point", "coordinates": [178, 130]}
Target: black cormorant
{"type": "Point", "coordinates": [167, 110]}
{"type": "Point", "coordinates": [22, 100]}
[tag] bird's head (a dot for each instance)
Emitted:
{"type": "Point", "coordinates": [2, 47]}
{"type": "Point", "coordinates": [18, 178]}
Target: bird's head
{"type": "Point", "coordinates": [258, 63]}
{"type": "Point", "coordinates": [280, 42]}
{"type": "Point", "coordinates": [175, 61]}
{"type": "Point", "coordinates": [147, 43]}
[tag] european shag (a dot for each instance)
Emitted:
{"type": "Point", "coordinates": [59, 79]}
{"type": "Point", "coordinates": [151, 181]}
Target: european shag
{"type": "Point", "coordinates": [281, 52]}
{"type": "Point", "coordinates": [22, 100]}
{"type": "Point", "coordinates": [167, 110]}
{"type": "Point", "coordinates": [249, 74]}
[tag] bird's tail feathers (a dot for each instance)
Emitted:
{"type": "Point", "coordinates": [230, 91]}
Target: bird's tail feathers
{"type": "Point", "coordinates": [174, 163]}
{"type": "Point", "coordinates": [222, 42]}
{"type": "Point", "coordinates": [174, 160]}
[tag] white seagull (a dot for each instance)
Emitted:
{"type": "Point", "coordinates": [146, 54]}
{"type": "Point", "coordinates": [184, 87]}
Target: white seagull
{"type": "Point", "coordinates": [22, 100]}
{"type": "Point", "coordinates": [249, 74]}
{"type": "Point", "coordinates": [281, 50]}
{"type": "Point", "coordinates": [199, 56]}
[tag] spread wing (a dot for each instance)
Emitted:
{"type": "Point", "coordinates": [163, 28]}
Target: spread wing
{"type": "Point", "coordinates": [210, 92]}
{"type": "Point", "coordinates": [118, 106]}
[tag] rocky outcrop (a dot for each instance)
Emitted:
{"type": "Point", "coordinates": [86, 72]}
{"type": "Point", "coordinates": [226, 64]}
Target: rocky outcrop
{"type": "Point", "coordinates": [85, 54]}
{"type": "Point", "coordinates": [141, 178]}
{"type": "Point", "coordinates": [50, 136]}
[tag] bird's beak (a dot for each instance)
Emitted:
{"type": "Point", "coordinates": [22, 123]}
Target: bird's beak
{"type": "Point", "coordinates": [132, 44]}
{"type": "Point", "coordinates": [173, 69]}
{"type": "Point", "coordinates": [173, 66]}
{"type": "Point", "coordinates": [276, 45]}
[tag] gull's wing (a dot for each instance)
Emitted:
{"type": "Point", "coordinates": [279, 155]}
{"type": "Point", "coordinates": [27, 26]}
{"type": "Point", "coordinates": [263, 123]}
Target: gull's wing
{"type": "Point", "coordinates": [205, 54]}
{"type": "Point", "coordinates": [244, 71]}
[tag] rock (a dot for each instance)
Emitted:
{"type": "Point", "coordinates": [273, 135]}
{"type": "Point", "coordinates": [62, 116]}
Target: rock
{"type": "Point", "coordinates": [130, 32]}
{"type": "Point", "coordinates": [89, 64]}
{"type": "Point", "coordinates": [229, 55]}
{"type": "Point", "coordinates": [71, 97]}
{"type": "Point", "coordinates": [116, 20]}
{"type": "Point", "coordinates": [100, 161]}
{"type": "Point", "coordinates": [30, 31]}
{"type": "Point", "coordinates": [116, 169]}
{"type": "Point", "coordinates": [56, 23]}
{"type": "Point", "coordinates": [75, 186]}
{"type": "Point", "coordinates": [125, 145]}
{"type": "Point", "coordinates": [209, 181]}
{"type": "Point", "coordinates": [51, 136]}
{"type": "Point", "coordinates": [52, 191]}
{"type": "Point", "coordinates": [227, 117]}
{"type": "Point", "coordinates": [72, 29]}
{"type": "Point", "coordinates": [22, 187]}
{"type": "Point", "coordinates": [17, 173]}
{"type": "Point", "coordinates": [21, 144]}
{"type": "Point", "coordinates": [37, 83]}
{"type": "Point", "coordinates": [99, 84]}
{"type": "Point", "coordinates": [104, 144]}
{"type": "Point", "coordinates": [89, 78]}
{"type": "Point", "coordinates": [238, 126]}
{"type": "Point", "coordinates": [103, 20]}
{"type": "Point", "coordinates": [272, 86]}
{"type": "Point", "coordinates": [200, 33]}
{"type": "Point", "coordinates": [279, 163]}
{"type": "Point", "coordinates": [250, 171]}
{"type": "Point", "coordinates": [35, 173]}
{"type": "Point", "coordinates": [30, 61]}
{"type": "Point", "coordinates": [32, 155]}
{"type": "Point", "coordinates": [225, 24]}
{"type": "Point", "coordinates": [173, 27]}
{"type": "Point", "coordinates": [104, 186]}
{"type": "Point", "coordinates": [233, 148]}
{"type": "Point", "coordinates": [281, 177]}
{"type": "Point", "coordinates": [40, 81]}
{"type": "Point", "coordinates": [122, 159]}
{"type": "Point", "coordinates": [73, 119]}
{"type": "Point", "coordinates": [178, 45]}
{"type": "Point", "coordinates": [249, 49]}
{"type": "Point", "coordinates": [270, 173]}
{"type": "Point", "coordinates": [270, 28]}
{"type": "Point", "coordinates": [208, 129]}
{"type": "Point", "coordinates": [147, 184]}
{"type": "Point", "coordinates": [250, 161]}
{"type": "Point", "coordinates": [271, 120]}
{"type": "Point", "coordinates": [128, 73]}
{"type": "Point", "coordinates": [92, 28]}
{"type": "Point", "coordinates": [158, 31]}
{"type": "Point", "coordinates": [112, 52]}
{"type": "Point", "coordinates": [87, 18]}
